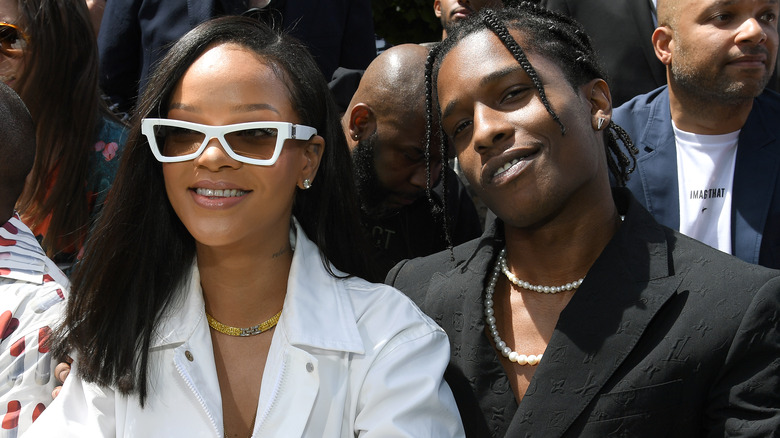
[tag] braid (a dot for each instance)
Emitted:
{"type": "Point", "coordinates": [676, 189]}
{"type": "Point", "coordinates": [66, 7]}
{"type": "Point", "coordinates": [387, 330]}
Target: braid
{"type": "Point", "coordinates": [429, 124]}
{"type": "Point", "coordinates": [430, 60]}
{"type": "Point", "coordinates": [616, 159]}
{"type": "Point", "coordinates": [503, 34]}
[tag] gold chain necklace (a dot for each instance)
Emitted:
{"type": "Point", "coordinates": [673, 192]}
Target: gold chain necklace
{"type": "Point", "coordinates": [240, 331]}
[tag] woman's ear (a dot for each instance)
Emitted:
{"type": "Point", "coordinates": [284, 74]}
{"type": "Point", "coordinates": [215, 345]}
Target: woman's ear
{"type": "Point", "coordinates": [600, 104]}
{"type": "Point", "coordinates": [312, 155]}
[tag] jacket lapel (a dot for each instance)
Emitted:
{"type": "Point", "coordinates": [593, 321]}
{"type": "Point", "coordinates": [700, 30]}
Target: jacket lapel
{"type": "Point", "coordinates": [285, 409]}
{"type": "Point", "coordinates": [657, 176]}
{"type": "Point", "coordinates": [622, 292]}
{"type": "Point", "coordinates": [755, 173]}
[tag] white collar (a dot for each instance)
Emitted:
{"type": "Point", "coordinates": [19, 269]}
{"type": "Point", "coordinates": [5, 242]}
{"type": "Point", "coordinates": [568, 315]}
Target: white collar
{"type": "Point", "coordinates": [317, 309]}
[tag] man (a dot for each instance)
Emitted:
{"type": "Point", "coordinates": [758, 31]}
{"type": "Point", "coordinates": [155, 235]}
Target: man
{"type": "Point", "coordinates": [642, 332]}
{"type": "Point", "coordinates": [385, 128]}
{"type": "Point", "coordinates": [620, 31]}
{"type": "Point", "coordinates": [32, 289]}
{"type": "Point", "coordinates": [709, 161]}
{"type": "Point", "coordinates": [451, 11]}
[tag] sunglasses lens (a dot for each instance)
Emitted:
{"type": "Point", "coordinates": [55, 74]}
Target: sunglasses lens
{"type": "Point", "coordinates": [257, 143]}
{"type": "Point", "coordinates": [9, 39]}
{"type": "Point", "coordinates": [174, 141]}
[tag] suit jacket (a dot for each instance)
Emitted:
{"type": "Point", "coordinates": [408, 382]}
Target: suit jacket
{"type": "Point", "coordinates": [755, 217]}
{"type": "Point", "coordinates": [620, 31]}
{"type": "Point", "coordinates": [665, 337]}
{"type": "Point", "coordinates": [135, 34]}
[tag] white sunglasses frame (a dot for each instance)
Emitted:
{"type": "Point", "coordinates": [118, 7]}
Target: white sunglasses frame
{"type": "Point", "coordinates": [284, 131]}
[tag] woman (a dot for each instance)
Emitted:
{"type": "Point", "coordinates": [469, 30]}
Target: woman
{"type": "Point", "coordinates": [217, 295]}
{"type": "Point", "coordinates": [48, 54]}
{"type": "Point", "coordinates": [579, 315]}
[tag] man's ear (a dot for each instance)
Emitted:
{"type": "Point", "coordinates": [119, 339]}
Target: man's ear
{"type": "Point", "coordinates": [362, 122]}
{"type": "Point", "coordinates": [437, 8]}
{"type": "Point", "coordinates": [312, 154]}
{"type": "Point", "coordinates": [663, 44]}
{"type": "Point", "coordinates": [600, 103]}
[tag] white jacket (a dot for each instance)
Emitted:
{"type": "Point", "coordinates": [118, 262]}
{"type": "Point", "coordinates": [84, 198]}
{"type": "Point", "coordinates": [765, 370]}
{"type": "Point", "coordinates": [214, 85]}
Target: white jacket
{"type": "Point", "coordinates": [348, 358]}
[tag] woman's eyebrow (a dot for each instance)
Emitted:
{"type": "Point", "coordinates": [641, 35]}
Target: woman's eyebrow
{"type": "Point", "coordinates": [237, 108]}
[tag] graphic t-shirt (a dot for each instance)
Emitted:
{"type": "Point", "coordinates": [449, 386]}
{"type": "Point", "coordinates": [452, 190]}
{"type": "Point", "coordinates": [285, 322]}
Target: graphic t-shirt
{"type": "Point", "coordinates": [705, 176]}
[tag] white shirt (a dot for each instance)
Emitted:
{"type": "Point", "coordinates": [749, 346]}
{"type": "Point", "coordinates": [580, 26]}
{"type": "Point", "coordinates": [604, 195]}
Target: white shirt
{"type": "Point", "coordinates": [32, 302]}
{"type": "Point", "coordinates": [705, 176]}
{"type": "Point", "coordinates": [348, 358]}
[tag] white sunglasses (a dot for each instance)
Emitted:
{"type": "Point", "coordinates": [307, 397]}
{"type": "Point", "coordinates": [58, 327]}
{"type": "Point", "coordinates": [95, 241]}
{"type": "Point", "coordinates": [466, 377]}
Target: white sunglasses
{"type": "Point", "coordinates": [258, 143]}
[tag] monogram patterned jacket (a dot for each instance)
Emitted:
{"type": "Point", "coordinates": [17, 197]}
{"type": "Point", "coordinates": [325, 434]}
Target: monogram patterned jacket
{"type": "Point", "coordinates": [665, 337]}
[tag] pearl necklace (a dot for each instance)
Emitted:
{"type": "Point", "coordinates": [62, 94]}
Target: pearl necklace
{"type": "Point", "coordinates": [490, 319]}
{"type": "Point", "coordinates": [243, 331]}
{"type": "Point", "coordinates": [536, 288]}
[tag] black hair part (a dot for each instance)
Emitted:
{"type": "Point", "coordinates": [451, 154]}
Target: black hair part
{"type": "Point", "coordinates": [140, 253]}
{"type": "Point", "coordinates": [546, 33]}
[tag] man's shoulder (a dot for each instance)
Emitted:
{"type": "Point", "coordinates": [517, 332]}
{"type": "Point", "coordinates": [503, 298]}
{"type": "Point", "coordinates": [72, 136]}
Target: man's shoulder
{"type": "Point", "coordinates": [413, 277]}
{"type": "Point", "coordinates": [640, 103]}
{"type": "Point", "coordinates": [769, 100]}
{"type": "Point", "coordinates": [715, 270]}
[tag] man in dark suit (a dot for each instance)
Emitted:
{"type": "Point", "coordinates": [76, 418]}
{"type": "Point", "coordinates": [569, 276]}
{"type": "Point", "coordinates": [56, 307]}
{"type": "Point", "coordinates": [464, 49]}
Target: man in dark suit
{"type": "Point", "coordinates": [385, 129]}
{"type": "Point", "coordinates": [620, 31]}
{"type": "Point", "coordinates": [709, 143]}
{"type": "Point", "coordinates": [576, 314]}
{"type": "Point", "coordinates": [136, 33]}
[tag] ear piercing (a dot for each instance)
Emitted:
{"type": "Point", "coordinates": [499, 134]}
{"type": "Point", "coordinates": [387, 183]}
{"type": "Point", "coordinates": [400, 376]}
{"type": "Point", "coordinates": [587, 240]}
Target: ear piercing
{"type": "Point", "coordinates": [306, 184]}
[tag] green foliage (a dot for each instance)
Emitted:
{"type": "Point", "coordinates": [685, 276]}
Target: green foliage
{"type": "Point", "coordinates": [406, 21]}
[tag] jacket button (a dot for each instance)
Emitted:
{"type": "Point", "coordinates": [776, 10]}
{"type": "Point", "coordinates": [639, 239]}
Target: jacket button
{"type": "Point", "coordinates": [309, 367]}
{"type": "Point", "coordinates": [188, 355]}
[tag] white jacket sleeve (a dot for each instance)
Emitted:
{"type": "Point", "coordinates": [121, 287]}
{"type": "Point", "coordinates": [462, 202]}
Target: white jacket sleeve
{"type": "Point", "coordinates": [404, 393]}
{"type": "Point", "coordinates": [81, 409]}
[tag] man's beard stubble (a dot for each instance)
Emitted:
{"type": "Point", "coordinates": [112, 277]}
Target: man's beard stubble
{"type": "Point", "coordinates": [370, 191]}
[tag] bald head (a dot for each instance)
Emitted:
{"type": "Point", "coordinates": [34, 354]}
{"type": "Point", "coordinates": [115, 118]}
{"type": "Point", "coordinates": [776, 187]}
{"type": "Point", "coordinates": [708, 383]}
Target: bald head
{"type": "Point", "coordinates": [394, 83]}
{"type": "Point", "coordinates": [668, 10]}
{"type": "Point", "coordinates": [17, 149]}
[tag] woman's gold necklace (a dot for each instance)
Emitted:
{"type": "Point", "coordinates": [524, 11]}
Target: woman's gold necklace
{"type": "Point", "coordinates": [241, 331]}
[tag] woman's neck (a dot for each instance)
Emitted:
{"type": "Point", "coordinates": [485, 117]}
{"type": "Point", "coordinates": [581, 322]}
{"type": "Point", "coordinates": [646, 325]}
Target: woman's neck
{"type": "Point", "coordinates": [242, 288]}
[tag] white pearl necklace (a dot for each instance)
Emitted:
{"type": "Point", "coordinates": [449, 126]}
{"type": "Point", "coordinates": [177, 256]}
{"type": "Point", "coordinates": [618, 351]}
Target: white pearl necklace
{"type": "Point", "coordinates": [536, 288]}
{"type": "Point", "coordinates": [490, 319]}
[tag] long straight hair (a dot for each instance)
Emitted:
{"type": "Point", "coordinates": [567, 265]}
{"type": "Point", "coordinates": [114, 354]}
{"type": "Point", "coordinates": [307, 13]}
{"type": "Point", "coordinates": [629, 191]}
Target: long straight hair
{"type": "Point", "coordinates": [59, 85]}
{"type": "Point", "coordinates": [139, 252]}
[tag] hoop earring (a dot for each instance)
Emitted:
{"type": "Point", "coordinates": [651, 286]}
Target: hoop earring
{"type": "Point", "coordinates": [600, 124]}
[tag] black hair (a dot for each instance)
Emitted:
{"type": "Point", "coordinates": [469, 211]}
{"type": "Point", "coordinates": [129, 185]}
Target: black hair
{"type": "Point", "coordinates": [549, 34]}
{"type": "Point", "coordinates": [139, 253]}
{"type": "Point", "coordinates": [59, 85]}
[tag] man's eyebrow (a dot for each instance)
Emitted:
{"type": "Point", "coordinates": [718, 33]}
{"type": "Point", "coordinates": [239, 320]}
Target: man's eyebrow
{"type": "Point", "coordinates": [492, 77]}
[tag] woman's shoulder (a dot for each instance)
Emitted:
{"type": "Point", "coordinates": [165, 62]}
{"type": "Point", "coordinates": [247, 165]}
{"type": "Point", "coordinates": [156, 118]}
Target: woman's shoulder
{"type": "Point", "coordinates": [380, 308]}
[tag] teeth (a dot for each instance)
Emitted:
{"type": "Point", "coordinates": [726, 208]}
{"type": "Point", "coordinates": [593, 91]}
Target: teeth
{"type": "Point", "coordinates": [505, 167]}
{"type": "Point", "coordinates": [217, 193]}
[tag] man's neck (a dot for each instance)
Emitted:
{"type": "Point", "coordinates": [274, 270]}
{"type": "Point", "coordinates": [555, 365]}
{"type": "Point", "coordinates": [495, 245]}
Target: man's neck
{"type": "Point", "coordinates": [707, 116]}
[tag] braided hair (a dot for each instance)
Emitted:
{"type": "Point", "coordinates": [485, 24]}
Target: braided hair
{"type": "Point", "coordinates": [549, 34]}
